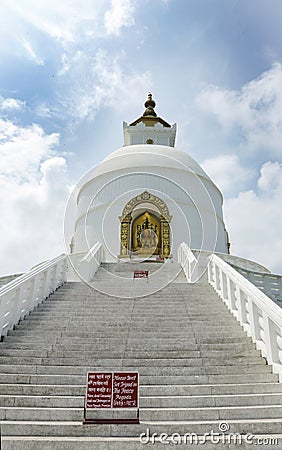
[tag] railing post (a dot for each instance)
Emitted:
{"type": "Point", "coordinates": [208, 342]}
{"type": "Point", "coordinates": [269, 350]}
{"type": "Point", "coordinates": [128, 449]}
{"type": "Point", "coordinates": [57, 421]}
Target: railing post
{"type": "Point", "coordinates": [233, 299]}
{"type": "Point", "coordinates": [267, 339]}
{"type": "Point", "coordinates": [210, 278]}
{"type": "Point", "coordinates": [188, 261]}
{"type": "Point", "coordinates": [254, 324]}
{"type": "Point", "coordinates": [217, 278]}
{"type": "Point", "coordinates": [16, 309]}
{"type": "Point", "coordinates": [223, 284]}
{"type": "Point", "coordinates": [228, 300]}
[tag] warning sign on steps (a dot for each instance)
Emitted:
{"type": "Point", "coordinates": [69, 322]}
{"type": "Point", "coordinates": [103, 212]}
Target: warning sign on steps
{"type": "Point", "coordinates": [99, 391]}
{"type": "Point", "coordinates": [112, 391]}
{"type": "Point", "coordinates": [125, 390]}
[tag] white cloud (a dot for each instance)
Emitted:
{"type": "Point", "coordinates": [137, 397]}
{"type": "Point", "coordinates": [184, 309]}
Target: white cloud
{"type": "Point", "coordinates": [43, 110]}
{"type": "Point", "coordinates": [88, 78]}
{"type": "Point", "coordinates": [251, 119]}
{"type": "Point", "coordinates": [34, 188]}
{"type": "Point", "coordinates": [227, 173]}
{"type": "Point", "coordinates": [31, 53]}
{"type": "Point", "coordinates": [119, 15]}
{"type": "Point", "coordinates": [23, 149]}
{"type": "Point", "coordinates": [8, 104]}
{"type": "Point", "coordinates": [254, 219]}
{"type": "Point", "coordinates": [68, 21]}
{"type": "Point", "coordinates": [271, 179]}
{"type": "Point", "coordinates": [253, 113]}
{"type": "Point", "coordinates": [100, 80]}
{"type": "Point", "coordinates": [60, 20]}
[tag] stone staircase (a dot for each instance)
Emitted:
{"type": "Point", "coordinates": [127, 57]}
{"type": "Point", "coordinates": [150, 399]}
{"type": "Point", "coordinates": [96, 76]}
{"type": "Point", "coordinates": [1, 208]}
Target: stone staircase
{"type": "Point", "coordinates": [198, 370]}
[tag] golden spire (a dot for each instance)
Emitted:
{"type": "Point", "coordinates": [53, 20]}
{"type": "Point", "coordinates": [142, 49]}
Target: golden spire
{"type": "Point", "coordinates": [150, 117]}
{"type": "Point", "coordinates": [149, 105]}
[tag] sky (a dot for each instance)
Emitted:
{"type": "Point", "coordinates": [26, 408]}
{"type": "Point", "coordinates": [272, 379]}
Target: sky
{"type": "Point", "coordinates": [73, 71]}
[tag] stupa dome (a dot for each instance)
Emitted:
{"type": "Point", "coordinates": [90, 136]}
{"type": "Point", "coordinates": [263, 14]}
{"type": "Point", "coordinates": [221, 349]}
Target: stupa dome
{"type": "Point", "coordinates": [148, 184]}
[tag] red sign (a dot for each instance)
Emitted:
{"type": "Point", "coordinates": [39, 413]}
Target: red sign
{"type": "Point", "coordinates": [99, 390]}
{"type": "Point", "coordinates": [112, 390]}
{"type": "Point", "coordinates": [125, 390]}
{"type": "Point", "coordinates": [141, 274]}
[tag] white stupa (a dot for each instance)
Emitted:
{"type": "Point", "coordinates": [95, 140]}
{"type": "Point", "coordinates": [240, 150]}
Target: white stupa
{"type": "Point", "coordinates": [147, 197]}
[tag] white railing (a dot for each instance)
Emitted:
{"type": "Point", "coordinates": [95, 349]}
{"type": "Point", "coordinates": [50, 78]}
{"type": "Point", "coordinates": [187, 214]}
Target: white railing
{"type": "Point", "coordinates": [8, 278]}
{"type": "Point", "coordinates": [82, 267]}
{"type": "Point", "coordinates": [236, 261]}
{"type": "Point", "coordinates": [19, 297]}
{"type": "Point", "coordinates": [260, 317]}
{"type": "Point", "coordinates": [188, 262]}
{"type": "Point", "coordinates": [268, 283]}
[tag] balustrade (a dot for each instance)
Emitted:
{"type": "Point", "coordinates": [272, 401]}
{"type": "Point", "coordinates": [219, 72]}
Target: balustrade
{"type": "Point", "coordinates": [19, 297]}
{"type": "Point", "coordinates": [260, 317]}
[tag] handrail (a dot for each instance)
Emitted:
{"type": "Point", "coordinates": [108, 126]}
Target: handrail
{"type": "Point", "coordinates": [19, 297]}
{"type": "Point", "coordinates": [83, 266]}
{"type": "Point", "coordinates": [260, 317]}
{"type": "Point", "coordinates": [269, 283]}
{"type": "Point", "coordinates": [5, 279]}
{"type": "Point", "coordinates": [92, 252]}
{"type": "Point", "coordinates": [233, 260]}
{"type": "Point", "coordinates": [188, 262]}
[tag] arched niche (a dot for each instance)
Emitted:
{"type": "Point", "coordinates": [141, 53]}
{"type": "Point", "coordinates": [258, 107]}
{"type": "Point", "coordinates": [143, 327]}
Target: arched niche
{"type": "Point", "coordinates": [158, 218]}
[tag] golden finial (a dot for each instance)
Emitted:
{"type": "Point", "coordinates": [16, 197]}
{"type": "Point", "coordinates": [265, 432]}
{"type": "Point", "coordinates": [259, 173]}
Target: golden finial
{"type": "Point", "coordinates": [150, 105]}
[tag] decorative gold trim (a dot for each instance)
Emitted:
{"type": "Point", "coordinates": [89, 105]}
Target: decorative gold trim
{"type": "Point", "coordinates": [165, 242]}
{"type": "Point", "coordinates": [125, 235]}
{"type": "Point", "coordinates": [148, 198]}
{"type": "Point", "coordinates": [126, 219]}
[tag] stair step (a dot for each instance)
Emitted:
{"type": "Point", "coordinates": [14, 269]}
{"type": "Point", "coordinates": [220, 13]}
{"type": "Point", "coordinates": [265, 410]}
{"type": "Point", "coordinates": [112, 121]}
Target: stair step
{"type": "Point", "coordinates": [147, 414]}
{"type": "Point", "coordinates": [174, 357]}
{"type": "Point", "coordinates": [146, 379]}
{"type": "Point", "coordinates": [179, 401]}
{"type": "Point", "coordinates": [14, 340]}
{"type": "Point", "coordinates": [196, 366]}
{"type": "Point", "coordinates": [211, 413]}
{"type": "Point", "coordinates": [199, 367]}
{"type": "Point", "coordinates": [121, 443]}
{"type": "Point", "coordinates": [62, 428]}
{"type": "Point", "coordinates": [211, 401]}
{"type": "Point", "coordinates": [146, 390]}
